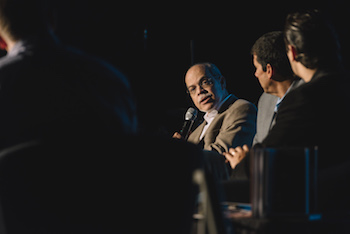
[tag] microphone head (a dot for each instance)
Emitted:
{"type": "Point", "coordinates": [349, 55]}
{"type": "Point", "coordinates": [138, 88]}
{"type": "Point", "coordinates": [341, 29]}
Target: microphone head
{"type": "Point", "coordinates": [191, 114]}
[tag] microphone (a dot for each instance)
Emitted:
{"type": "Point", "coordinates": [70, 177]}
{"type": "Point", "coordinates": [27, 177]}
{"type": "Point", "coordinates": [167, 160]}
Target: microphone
{"type": "Point", "coordinates": [190, 117]}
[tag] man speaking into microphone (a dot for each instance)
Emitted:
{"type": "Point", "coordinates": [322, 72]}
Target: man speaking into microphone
{"type": "Point", "coordinates": [228, 121]}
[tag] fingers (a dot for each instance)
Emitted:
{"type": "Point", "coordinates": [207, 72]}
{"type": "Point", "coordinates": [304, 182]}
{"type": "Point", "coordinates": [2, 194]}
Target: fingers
{"type": "Point", "coordinates": [239, 151]}
{"type": "Point", "coordinates": [230, 159]}
{"type": "Point", "coordinates": [236, 155]}
{"type": "Point", "coordinates": [246, 148]}
{"type": "Point", "coordinates": [177, 135]}
{"type": "Point", "coordinates": [232, 151]}
{"type": "Point", "coordinates": [227, 155]}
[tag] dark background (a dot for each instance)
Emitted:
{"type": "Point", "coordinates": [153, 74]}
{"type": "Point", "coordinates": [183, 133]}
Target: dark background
{"type": "Point", "coordinates": [154, 44]}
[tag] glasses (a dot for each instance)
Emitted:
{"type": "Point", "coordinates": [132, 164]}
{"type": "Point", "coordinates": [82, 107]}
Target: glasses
{"type": "Point", "coordinates": [204, 83]}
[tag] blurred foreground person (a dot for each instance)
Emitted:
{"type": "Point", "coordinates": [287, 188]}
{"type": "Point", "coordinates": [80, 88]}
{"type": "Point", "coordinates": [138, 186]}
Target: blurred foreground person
{"type": "Point", "coordinates": [64, 118]}
{"type": "Point", "coordinates": [88, 185]}
{"type": "Point", "coordinates": [50, 90]}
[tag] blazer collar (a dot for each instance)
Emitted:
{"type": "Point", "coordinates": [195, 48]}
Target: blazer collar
{"type": "Point", "coordinates": [320, 73]}
{"type": "Point", "coordinates": [227, 103]}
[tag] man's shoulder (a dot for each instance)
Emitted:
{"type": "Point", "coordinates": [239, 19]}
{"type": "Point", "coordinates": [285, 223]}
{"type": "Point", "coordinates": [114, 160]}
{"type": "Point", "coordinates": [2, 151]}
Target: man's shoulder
{"type": "Point", "coordinates": [89, 62]}
{"type": "Point", "coordinates": [239, 107]}
{"type": "Point", "coordinates": [241, 104]}
{"type": "Point", "coordinates": [268, 99]}
{"type": "Point", "coordinates": [296, 83]}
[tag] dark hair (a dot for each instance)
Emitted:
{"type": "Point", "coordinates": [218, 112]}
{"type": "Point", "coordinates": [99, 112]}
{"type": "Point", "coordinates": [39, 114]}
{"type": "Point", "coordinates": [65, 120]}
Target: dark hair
{"type": "Point", "coordinates": [270, 49]}
{"type": "Point", "coordinates": [314, 38]}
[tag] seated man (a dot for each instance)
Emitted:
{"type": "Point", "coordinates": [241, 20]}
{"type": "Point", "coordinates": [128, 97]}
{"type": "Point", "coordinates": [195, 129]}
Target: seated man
{"type": "Point", "coordinates": [272, 69]}
{"type": "Point", "coordinates": [275, 76]}
{"type": "Point", "coordinates": [228, 121]}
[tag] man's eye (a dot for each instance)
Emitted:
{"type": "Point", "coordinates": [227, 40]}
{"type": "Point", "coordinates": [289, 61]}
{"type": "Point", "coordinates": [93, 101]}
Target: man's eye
{"type": "Point", "coordinates": [191, 90]}
{"type": "Point", "coordinates": [206, 82]}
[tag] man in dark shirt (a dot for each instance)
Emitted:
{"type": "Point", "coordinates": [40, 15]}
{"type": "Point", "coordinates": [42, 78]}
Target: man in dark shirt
{"type": "Point", "coordinates": [316, 113]}
{"type": "Point", "coordinates": [49, 90]}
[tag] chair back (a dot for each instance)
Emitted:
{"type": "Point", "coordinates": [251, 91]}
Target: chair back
{"type": "Point", "coordinates": [284, 182]}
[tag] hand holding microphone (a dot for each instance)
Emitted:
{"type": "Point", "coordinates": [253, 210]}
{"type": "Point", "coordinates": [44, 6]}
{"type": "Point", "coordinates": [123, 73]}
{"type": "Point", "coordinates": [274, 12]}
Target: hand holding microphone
{"type": "Point", "coordinates": [190, 117]}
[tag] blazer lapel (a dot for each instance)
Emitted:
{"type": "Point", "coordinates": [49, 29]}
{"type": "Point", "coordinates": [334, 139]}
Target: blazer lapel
{"type": "Point", "coordinates": [270, 118]}
{"type": "Point", "coordinates": [227, 103]}
{"type": "Point", "coordinates": [214, 127]}
{"type": "Point", "coordinates": [194, 136]}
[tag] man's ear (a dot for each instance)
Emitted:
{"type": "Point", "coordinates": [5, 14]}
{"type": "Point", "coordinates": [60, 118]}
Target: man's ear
{"type": "Point", "coordinates": [222, 82]}
{"type": "Point", "coordinates": [292, 53]}
{"type": "Point", "coordinates": [269, 71]}
{"type": "Point", "coordinates": [3, 44]}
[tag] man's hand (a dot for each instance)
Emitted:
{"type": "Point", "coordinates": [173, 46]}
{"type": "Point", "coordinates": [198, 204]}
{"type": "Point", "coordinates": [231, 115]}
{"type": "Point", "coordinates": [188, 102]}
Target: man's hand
{"type": "Point", "coordinates": [177, 136]}
{"type": "Point", "coordinates": [236, 155]}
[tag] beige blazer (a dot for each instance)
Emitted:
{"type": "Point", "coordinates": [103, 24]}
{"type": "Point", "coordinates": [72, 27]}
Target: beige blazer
{"type": "Point", "coordinates": [234, 125]}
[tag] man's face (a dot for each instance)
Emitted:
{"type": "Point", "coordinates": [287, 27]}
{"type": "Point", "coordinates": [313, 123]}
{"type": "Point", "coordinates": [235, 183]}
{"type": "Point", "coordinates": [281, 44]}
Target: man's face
{"type": "Point", "coordinates": [206, 91]}
{"type": "Point", "coordinates": [262, 75]}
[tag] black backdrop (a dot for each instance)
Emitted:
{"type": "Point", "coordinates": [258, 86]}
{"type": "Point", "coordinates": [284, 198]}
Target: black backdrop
{"type": "Point", "coordinates": [155, 43]}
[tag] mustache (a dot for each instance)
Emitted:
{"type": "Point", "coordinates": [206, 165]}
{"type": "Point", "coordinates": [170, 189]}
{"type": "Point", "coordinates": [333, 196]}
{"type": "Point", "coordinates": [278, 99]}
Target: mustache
{"type": "Point", "coordinates": [203, 96]}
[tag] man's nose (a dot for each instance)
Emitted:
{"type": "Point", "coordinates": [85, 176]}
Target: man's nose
{"type": "Point", "coordinates": [202, 90]}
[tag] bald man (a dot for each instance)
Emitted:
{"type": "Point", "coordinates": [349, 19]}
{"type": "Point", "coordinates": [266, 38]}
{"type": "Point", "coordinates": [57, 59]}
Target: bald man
{"type": "Point", "coordinates": [228, 121]}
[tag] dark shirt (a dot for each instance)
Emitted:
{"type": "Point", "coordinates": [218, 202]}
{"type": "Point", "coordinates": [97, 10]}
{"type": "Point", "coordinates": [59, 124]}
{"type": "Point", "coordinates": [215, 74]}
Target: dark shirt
{"type": "Point", "coordinates": [314, 114]}
{"type": "Point", "coordinates": [317, 114]}
{"type": "Point", "coordinates": [47, 89]}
